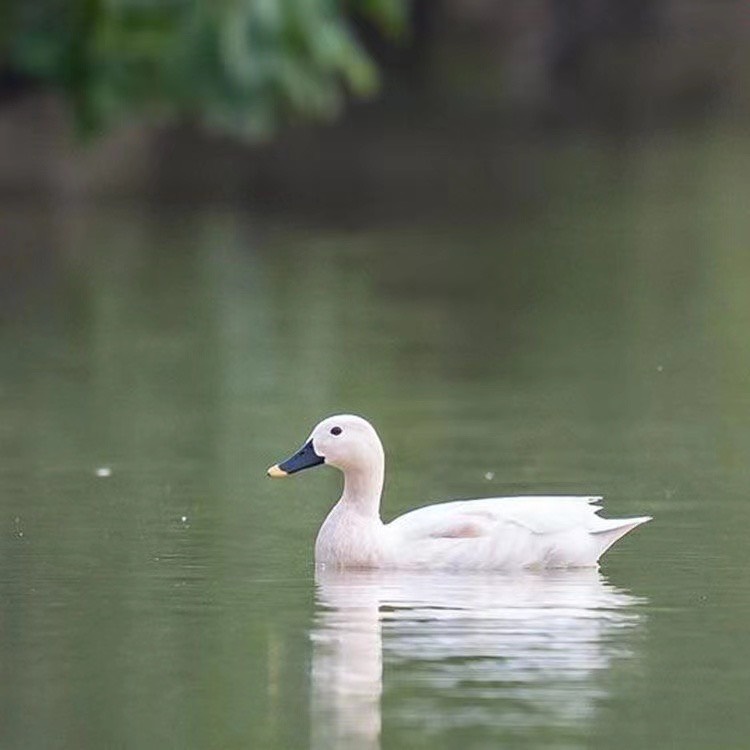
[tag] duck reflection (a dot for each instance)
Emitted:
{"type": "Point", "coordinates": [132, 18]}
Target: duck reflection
{"type": "Point", "coordinates": [507, 650]}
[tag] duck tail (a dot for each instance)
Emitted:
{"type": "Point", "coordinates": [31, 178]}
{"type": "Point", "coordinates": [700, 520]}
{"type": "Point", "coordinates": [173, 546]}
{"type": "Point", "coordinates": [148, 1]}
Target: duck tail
{"type": "Point", "coordinates": [615, 529]}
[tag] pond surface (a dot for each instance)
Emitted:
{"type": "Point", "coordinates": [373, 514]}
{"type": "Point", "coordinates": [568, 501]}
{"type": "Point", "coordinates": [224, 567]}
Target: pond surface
{"type": "Point", "coordinates": [157, 590]}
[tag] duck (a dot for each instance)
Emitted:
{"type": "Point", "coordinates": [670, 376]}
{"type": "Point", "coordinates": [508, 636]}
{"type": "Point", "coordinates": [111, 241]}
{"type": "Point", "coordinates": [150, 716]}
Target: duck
{"type": "Point", "coordinates": [492, 533]}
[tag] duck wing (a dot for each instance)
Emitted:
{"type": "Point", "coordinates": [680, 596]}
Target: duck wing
{"type": "Point", "coordinates": [509, 532]}
{"type": "Point", "coordinates": [539, 515]}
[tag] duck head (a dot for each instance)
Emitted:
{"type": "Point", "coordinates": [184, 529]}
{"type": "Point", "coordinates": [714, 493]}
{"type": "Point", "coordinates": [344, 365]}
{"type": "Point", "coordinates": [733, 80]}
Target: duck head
{"type": "Point", "coordinates": [345, 441]}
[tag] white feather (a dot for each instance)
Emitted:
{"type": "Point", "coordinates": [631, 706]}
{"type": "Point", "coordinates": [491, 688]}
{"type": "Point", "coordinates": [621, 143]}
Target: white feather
{"type": "Point", "coordinates": [505, 532]}
{"type": "Point", "coordinates": [499, 533]}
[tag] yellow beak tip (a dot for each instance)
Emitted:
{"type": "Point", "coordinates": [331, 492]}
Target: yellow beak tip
{"type": "Point", "coordinates": [276, 471]}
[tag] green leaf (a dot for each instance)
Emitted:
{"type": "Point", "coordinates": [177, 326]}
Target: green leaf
{"type": "Point", "coordinates": [244, 66]}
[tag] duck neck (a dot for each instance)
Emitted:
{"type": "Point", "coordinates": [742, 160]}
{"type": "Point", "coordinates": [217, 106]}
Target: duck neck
{"type": "Point", "coordinates": [363, 486]}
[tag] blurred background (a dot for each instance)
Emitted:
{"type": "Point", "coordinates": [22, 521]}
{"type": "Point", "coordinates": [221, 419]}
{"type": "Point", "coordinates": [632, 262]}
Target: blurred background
{"type": "Point", "coordinates": [513, 234]}
{"type": "Point", "coordinates": [350, 108]}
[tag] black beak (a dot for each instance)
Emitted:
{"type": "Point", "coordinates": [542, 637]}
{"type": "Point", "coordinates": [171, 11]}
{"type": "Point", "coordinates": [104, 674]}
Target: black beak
{"type": "Point", "coordinates": [304, 458]}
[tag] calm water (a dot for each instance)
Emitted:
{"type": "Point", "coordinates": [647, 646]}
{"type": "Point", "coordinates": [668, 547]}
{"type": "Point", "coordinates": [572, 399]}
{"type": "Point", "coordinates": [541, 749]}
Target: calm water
{"type": "Point", "coordinates": [157, 590]}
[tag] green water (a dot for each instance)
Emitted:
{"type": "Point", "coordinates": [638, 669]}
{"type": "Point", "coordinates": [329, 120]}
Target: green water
{"type": "Point", "coordinates": [594, 341]}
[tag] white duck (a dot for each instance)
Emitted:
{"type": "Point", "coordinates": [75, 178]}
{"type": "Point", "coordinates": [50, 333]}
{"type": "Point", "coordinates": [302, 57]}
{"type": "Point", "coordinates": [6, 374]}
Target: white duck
{"type": "Point", "coordinates": [497, 533]}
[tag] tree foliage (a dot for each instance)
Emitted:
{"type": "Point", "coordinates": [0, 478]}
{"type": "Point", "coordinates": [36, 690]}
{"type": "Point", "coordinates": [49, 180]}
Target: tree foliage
{"type": "Point", "coordinates": [247, 66]}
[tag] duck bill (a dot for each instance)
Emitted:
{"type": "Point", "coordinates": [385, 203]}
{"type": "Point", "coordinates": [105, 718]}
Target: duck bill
{"type": "Point", "coordinates": [304, 458]}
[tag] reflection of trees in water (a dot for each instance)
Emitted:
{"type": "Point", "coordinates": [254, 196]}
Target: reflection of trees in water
{"type": "Point", "coordinates": [512, 653]}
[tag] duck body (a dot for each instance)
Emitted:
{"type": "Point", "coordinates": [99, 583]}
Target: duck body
{"type": "Point", "coordinates": [502, 533]}
{"type": "Point", "coordinates": [498, 533]}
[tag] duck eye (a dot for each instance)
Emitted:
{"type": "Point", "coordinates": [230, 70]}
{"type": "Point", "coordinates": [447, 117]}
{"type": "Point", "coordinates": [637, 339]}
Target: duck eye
{"type": "Point", "coordinates": [336, 430]}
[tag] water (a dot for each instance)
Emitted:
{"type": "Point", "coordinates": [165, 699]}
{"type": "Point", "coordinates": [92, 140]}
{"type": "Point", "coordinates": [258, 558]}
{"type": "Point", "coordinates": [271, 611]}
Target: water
{"type": "Point", "coordinates": [157, 590]}
{"type": "Point", "coordinates": [520, 657]}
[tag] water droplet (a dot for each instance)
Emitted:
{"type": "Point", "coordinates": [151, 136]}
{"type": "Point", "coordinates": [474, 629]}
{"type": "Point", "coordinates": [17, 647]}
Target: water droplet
{"type": "Point", "coordinates": [660, 368]}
